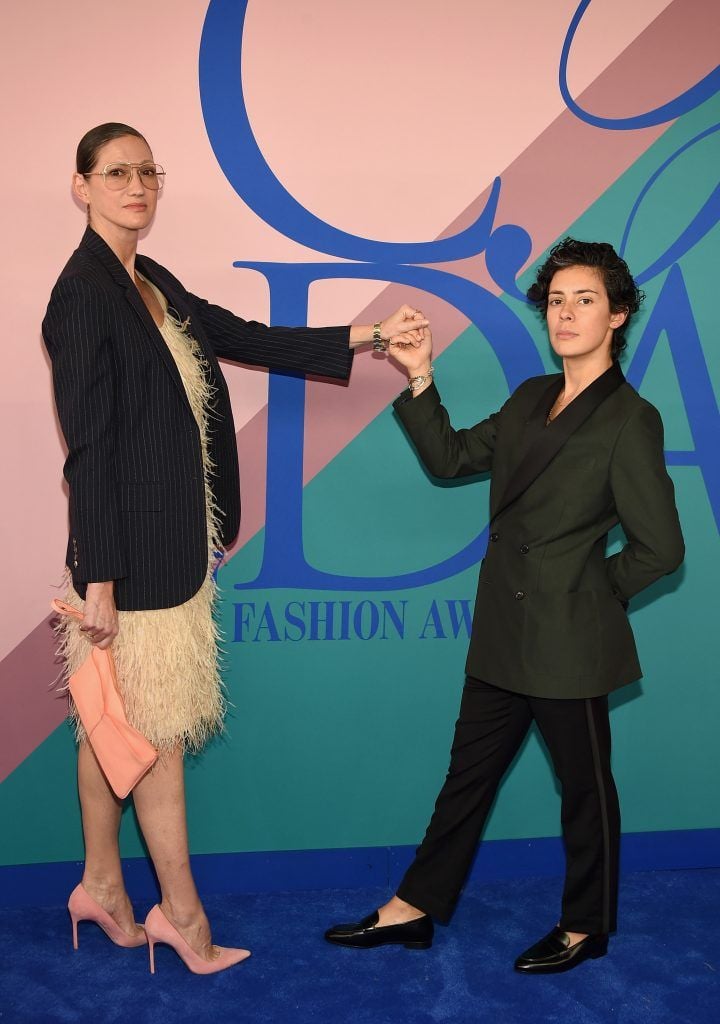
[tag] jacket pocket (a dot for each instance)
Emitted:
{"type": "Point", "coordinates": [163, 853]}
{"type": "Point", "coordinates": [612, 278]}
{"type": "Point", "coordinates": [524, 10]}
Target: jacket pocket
{"type": "Point", "coordinates": [140, 497]}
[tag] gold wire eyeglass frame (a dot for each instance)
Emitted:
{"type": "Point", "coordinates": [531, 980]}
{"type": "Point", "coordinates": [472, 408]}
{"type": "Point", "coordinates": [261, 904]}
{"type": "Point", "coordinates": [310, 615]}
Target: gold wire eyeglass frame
{"type": "Point", "coordinates": [158, 179]}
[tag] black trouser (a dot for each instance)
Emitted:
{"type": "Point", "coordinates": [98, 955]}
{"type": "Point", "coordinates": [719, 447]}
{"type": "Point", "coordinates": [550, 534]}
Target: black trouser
{"type": "Point", "coordinates": [488, 734]}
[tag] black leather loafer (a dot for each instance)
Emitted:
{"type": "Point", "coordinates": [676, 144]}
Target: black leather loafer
{"type": "Point", "coordinates": [554, 953]}
{"type": "Point", "coordinates": [417, 934]}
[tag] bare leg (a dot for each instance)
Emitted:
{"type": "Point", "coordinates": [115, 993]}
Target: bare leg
{"type": "Point", "coordinates": [101, 810]}
{"type": "Point", "coordinates": [397, 911]}
{"type": "Point", "coordinates": [160, 805]}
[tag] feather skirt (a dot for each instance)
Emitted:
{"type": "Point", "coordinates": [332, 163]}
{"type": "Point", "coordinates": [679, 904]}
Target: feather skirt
{"type": "Point", "coordinates": [167, 658]}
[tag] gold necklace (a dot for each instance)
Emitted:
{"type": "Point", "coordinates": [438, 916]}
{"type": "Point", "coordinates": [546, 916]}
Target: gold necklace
{"type": "Point", "coordinates": [559, 404]}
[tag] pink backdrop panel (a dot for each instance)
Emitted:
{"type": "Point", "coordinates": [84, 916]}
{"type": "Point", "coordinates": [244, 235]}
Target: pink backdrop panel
{"type": "Point", "coordinates": [389, 120]}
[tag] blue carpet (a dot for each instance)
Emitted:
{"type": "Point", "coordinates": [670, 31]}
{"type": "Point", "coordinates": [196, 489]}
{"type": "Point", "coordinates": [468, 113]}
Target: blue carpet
{"type": "Point", "coordinates": [662, 968]}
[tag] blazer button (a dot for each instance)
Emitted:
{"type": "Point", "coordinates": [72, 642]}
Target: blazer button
{"type": "Point", "coordinates": [524, 549]}
{"type": "Point", "coordinates": [519, 595]}
{"type": "Point", "coordinates": [494, 537]}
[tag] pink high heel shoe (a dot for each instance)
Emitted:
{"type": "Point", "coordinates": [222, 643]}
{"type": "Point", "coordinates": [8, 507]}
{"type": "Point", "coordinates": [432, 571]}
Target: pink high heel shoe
{"type": "Point", "coordinates": [83, 907]}
{"type": "Point", "coordinates": [159, 929]}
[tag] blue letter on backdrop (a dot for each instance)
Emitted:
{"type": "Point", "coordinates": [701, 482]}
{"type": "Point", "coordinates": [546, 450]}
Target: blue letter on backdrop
{"type": "Point", "coordinates": [507, 248]}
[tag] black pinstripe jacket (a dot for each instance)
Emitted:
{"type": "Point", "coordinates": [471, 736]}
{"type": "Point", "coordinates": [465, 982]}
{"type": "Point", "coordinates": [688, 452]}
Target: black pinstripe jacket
{"type": "Point", "coordinates": [134, 465]}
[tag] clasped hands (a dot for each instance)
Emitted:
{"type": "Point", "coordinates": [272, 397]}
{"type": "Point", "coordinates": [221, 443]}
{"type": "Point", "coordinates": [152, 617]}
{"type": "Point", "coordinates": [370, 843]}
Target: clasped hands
{"type": "Point", "coordinates": [409, 339]}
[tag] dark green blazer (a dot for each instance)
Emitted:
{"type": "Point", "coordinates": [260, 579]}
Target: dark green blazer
{"type": "Point", "coordinates": [550, 617]}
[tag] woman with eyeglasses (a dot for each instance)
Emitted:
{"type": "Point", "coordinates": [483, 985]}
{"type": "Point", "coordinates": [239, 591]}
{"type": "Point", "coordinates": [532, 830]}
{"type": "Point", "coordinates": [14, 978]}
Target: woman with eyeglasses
{"type": "Point", "coordinates": [152, 471]}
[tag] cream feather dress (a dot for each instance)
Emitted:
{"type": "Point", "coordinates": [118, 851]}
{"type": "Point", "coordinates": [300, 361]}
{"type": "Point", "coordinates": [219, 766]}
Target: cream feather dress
{"type": "Point", "coordinates": [167, 659]}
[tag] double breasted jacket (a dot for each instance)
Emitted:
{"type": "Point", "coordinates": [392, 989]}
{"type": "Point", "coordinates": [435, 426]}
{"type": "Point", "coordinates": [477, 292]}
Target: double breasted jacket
{"type": "Point", "coordinates": [550, 614]}
{"type": "Point", "coordinates": [134, 465]}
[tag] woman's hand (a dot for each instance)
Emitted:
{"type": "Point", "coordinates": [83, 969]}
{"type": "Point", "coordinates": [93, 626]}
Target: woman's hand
{"type": "Point", "coordinates": [413, 351]}
{"type": "Point", "coordinates": [402, 322]}
{"type": "Point", "coordinates": [100, 624]}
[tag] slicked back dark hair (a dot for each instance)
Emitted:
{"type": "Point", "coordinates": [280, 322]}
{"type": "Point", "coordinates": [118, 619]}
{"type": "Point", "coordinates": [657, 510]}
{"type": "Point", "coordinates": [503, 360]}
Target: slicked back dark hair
{"type": "Point", "coordinates": [623, 294]}
{"type": "Point", "coordinates": [92, 142]}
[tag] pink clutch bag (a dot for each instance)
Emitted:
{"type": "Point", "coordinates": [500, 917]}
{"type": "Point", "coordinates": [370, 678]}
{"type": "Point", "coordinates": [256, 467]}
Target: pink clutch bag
{"type": "Point", "coordinates": [123, 753]}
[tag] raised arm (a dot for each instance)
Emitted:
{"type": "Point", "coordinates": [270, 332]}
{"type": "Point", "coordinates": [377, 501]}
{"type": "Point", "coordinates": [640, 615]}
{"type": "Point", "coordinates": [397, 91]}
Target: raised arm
{"type": "Point", "coordinates": [446, 452]}
{"type": "Point", "coordinates": [326, 351]}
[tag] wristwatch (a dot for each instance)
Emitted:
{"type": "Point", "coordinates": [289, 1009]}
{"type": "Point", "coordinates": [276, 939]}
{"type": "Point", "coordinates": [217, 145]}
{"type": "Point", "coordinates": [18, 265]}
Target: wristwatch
{"type": "Point", "coordinates": [415, 383]}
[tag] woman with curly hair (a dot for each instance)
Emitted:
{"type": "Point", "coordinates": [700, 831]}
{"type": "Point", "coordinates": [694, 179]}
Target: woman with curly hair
{"type": "Point", "coordinates": [571, 455]}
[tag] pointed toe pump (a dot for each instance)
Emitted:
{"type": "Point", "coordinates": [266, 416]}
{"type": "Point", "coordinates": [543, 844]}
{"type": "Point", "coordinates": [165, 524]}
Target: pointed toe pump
{"type": "Point", "coordinates": [82, 907]}
{"type": "Point", "coordinates": [159, 929]}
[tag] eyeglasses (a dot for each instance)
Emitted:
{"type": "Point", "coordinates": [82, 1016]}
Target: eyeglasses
{"type": "Point", "coordinates": [118, 176]}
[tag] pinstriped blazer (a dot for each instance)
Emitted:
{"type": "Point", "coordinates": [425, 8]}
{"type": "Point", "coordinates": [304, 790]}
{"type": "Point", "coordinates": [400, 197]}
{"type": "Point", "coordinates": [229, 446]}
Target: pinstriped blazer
{"type": "Point", "coordinates": [134, 464]}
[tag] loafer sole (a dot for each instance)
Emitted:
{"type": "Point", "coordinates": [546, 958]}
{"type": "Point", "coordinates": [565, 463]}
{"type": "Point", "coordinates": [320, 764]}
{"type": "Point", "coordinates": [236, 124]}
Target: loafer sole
{"type": "Point", "coordinates": [349, 944]}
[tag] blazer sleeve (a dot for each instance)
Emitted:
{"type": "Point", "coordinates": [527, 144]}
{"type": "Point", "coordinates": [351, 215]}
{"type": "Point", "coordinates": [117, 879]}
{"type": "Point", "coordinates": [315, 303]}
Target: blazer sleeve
{"type": "Point", "coordinates": [76, 331]}
{"type": "Point", "coordinates": [445, 452]}
{"type": "Point", "coordinates": [645, 502]}
{"type": "Point", "coordinates": [320, 350]}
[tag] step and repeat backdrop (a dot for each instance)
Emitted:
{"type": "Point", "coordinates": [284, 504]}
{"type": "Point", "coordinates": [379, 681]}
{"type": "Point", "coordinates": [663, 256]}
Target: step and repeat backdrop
{"type": "Point", "coordinates": [326, 161]}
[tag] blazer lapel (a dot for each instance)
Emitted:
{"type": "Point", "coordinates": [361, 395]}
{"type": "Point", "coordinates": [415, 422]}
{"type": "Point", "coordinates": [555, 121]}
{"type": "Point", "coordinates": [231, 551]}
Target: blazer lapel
{"type": "Point", "coordinates": [93, 243]}
{"type": "Point", "coordinates": [549, 440]}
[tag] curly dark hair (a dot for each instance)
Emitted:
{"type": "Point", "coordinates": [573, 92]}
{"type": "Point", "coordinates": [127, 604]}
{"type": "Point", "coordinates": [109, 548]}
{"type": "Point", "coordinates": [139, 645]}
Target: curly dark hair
{"type": "Point", "coordinates": [623, 294]}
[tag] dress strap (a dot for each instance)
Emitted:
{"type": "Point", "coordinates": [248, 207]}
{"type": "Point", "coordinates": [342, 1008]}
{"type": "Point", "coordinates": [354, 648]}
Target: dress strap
{"type": "Point", "coordinates": [158, 294]}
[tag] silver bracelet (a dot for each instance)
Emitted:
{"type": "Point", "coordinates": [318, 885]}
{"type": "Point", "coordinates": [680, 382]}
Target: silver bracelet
{"type": "Point", "coordinates": [415, 383]}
